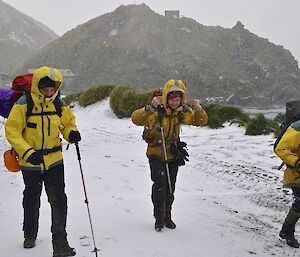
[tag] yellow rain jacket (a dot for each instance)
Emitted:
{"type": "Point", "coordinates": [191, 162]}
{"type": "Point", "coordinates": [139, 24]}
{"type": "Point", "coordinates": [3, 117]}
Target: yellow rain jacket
{"type": "Point", "coordinates": [39, 132]}
{"type": "Point", "coordinates": [171, 121]}
{"type": "Point", "coordinates": [288, 151]}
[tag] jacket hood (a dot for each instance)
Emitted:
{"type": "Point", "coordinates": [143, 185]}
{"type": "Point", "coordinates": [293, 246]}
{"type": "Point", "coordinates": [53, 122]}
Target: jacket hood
{"type": "Point", "coordinates": [40, 73]}
{"type": "Point", "coordinates": [173, 85]}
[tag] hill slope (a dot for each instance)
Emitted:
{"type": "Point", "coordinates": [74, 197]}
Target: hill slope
{"type": "Point", "coordinates": [135, 46]}
{"type": "Point", "coordinates": [20, 37]}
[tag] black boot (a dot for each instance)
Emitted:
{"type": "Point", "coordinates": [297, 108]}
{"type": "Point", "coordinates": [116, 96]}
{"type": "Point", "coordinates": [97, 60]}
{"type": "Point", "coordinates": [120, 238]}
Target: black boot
{"type": "Point", "coordinates": [29, 243]}
{"type": "Point", "coordinates": [159, 225]}
{"type": "Point", "coordinates": [288, 228]}
{"type": "Point", "coordinates": [159, 211]}
{"type": "Point", "coordinates": [62, 249]}
{"type": "Point", "coordinates": [169, 223]}
{"type": "Point", "coordinates": [287, 233]}
{"type": "Point", "coordinates": [169, 201]}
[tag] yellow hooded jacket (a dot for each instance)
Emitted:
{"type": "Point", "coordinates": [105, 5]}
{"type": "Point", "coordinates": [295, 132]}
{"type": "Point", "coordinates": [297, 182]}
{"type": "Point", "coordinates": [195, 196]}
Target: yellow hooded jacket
{"type": "Point", "coordinates": [288, 151]}
{"type": "Point", "coordinates": [171, 120]}
{"type": "Point", "coordinates": [39, 132]}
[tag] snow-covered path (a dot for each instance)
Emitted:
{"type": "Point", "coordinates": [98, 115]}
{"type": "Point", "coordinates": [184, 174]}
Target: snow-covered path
{"type": "Point", "coordinates": [228, 201]}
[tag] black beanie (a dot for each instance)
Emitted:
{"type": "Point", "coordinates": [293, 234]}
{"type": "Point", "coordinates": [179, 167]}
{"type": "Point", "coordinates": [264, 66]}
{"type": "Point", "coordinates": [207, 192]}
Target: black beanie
{"type": "Point", "coordinates": [46, 82]}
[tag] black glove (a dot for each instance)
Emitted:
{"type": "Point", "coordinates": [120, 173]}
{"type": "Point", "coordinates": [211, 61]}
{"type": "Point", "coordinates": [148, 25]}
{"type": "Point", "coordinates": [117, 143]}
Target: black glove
{"type": "Point", "coordinates": [74, 137]}
{"type": "Point", "coordinates": [182, 148]}
{"type": "Point", "coordinates": [35, 158]}
{"type": "Point", "coordinates": [179, 152]}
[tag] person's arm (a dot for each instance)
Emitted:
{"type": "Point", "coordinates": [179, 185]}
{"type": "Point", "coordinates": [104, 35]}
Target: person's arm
{"type": "Point", "coordinates": [288, 145]}
{"type": "Point", "coordinates": [196, 115]}
{"type": "Point", "coordinates": [140, 116]}
{"type": "Point", "coordinates": [68, 123]}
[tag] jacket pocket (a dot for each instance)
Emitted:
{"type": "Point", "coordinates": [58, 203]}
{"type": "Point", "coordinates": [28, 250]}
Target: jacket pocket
{"type": "Point", "coordinates": [31, 125]}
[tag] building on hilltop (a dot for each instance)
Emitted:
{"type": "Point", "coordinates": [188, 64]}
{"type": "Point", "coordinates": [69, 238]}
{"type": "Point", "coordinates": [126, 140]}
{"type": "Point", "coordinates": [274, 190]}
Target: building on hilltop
{"type": "Point", "coordinates": [172, 14]}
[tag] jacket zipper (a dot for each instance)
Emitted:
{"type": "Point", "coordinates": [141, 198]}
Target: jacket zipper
{"type": "Point", "coordinates": [48, 126]}
{"type": "Point", "coordinates": [43, 135]}
{"type": "Point", "coordinates": [169, 127]}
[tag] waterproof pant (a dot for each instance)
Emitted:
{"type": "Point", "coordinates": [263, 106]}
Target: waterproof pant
{"type": "Point", "coordinates": [296, 203]}
{"type": "Point", "coordinates": [53, 180]}
{"type": "Point", "coordinates": [161, 197]}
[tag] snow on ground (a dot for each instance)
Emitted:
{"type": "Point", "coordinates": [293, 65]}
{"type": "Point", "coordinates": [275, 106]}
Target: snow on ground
{"type": "Point", "coordinates": [228, 202]}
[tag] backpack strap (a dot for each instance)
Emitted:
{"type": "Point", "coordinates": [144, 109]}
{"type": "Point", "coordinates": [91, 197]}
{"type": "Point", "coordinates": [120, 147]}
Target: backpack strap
{"type": "Point", "coordinates": [29, 103]}
{"type": "Point", "coordinates": [283, 128]}
{"type": "Point", "coordinates": [58, 103]}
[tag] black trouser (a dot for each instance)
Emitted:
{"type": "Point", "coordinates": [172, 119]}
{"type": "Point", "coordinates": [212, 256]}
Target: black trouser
{"type": "Point", "coordinates": [55, 189]}
{"type": "Point", "coordinates": [162, 199]}
{"type": "Point", "coordinates": [296, 203]}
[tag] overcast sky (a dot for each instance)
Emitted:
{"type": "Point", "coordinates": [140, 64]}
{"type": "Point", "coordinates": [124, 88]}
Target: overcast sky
{"type": "Point", "coordinates": [277, 20]}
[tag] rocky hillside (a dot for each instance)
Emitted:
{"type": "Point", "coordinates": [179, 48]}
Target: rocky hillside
{"type": "Point", "coordinates": [136, 46]}
{"type": "Point", "coordinates": [20, 37]}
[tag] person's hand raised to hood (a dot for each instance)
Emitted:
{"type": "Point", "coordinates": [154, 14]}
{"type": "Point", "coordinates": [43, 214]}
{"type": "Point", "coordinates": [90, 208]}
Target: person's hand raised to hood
{"type": "Point", "coordinates": [195, 104]}
{"type": "Point", "coordinates": [156, 101]}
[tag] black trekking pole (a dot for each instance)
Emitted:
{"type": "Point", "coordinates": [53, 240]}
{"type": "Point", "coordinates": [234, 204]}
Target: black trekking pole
{"type": "Point", "coordinates": [163, 142]}
{"type": "Point", "coordinates": [281, 165]}
{"type": "Point", "coordinates": [96, 250]}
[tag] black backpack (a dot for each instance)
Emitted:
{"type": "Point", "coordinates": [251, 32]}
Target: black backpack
{"type": "Point", "coordinates": [292, 114]}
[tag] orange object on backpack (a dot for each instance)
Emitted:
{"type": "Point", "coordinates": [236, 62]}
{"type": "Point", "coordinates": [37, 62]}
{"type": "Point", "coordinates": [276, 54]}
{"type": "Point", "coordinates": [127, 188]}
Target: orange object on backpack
{"type": "Point", "coordinates": [11, 160]}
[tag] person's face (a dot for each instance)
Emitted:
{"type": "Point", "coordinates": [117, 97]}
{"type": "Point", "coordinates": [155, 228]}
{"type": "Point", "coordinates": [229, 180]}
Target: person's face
{"type": "Point", "coordinates": [48, 91]}
{"type": "Point", "coordinates": [174, 102]}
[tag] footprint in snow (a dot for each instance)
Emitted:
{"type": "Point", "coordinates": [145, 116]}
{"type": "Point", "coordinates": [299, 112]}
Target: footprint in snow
{"type": "Point", "coordinates": [85, 241]}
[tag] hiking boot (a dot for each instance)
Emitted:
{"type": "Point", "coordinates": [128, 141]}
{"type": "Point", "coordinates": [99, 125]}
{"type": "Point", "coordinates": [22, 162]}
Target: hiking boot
{"type": "Point", "coordinates": [63, 250]}
{"type": "Point", "coordinates": [29, 243]}
{"type": "Point", "coordinates": [288, 228]}
{"type": "Point", "coordinates": [287, 233]}
{"type": "Point", "coordinates": [159, 225]}
{"type": "Point", "coordinates": [170, 224]}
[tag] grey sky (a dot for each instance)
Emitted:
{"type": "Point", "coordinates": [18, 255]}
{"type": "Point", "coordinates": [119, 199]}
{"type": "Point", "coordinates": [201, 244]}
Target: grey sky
{"type": "Point", "coordinates": [277, 20]}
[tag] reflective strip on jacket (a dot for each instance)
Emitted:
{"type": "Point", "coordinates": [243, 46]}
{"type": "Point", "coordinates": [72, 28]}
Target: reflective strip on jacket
{"type": "Point", "coordinates": [288, 150]}
{"type": "Point", "coordinates": [41, 131]}
{"type": "Point", "coordinates": [171, 122]}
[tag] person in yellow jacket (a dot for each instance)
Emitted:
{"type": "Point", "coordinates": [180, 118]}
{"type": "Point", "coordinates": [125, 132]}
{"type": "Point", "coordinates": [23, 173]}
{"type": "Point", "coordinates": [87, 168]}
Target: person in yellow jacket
{"type": "Point", "coordinates": [167, 111]}
{"type": "Point", "coordinates": [289, 152]}
{"type": "Point", "coordinates": [35, 137]}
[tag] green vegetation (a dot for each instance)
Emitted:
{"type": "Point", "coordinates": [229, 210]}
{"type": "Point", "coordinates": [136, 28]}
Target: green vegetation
{"type": "Point", "coordinates": [260, 125]}
{"type": "Point", "coordinates": [278, 120]}
{"type": "Point", "coordinates": [219, 114]}
{"type": "Point", "coordinates": [89, 96]}
{"type": "Point", "coordinates": [72, 98]}
{"type": "Point", "coordinates": [94, 94]}
{"type": "Point", "coordinates": [124, 100]}
{"type": "Point", "coordinates": [257, 125]}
